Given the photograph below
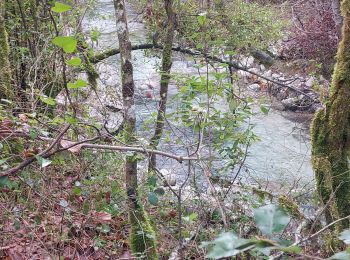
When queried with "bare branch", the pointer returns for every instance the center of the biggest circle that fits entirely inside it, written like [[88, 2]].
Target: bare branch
[[104, 55]]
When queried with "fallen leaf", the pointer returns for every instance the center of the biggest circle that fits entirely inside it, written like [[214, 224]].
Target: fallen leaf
[[74, 149], [23, 118], [126, 256], [102, 217]]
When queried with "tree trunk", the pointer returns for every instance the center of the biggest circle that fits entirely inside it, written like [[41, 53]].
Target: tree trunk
[[338, 19], [142, 235], [164, 80], [331, 135], [6, 90]]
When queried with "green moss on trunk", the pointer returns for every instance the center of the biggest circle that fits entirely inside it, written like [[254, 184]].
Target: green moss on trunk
[[142, 237], [330, 135], [6, 90]]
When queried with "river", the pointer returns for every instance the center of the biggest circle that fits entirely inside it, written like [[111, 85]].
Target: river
[[282, 156]]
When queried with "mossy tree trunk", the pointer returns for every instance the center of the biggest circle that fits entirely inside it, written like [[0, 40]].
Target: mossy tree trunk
[[142, 236], [331, 135], [164, 80], [6, 90]]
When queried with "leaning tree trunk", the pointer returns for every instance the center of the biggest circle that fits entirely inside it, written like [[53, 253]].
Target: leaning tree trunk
[[331, 135], [164, 80], [142, 235], [6, 90]]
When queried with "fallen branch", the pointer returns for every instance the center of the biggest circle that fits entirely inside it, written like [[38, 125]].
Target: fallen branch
[[104, 55], [69, 145]]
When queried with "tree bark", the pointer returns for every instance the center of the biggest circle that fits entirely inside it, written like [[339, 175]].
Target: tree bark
[[142, 235], [331, 135], [6, 89], [164, 80], [337, 17]]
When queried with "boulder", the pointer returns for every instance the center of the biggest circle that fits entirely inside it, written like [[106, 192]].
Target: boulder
[[290, 104], [169, 176], [263, 57], [310, 82]]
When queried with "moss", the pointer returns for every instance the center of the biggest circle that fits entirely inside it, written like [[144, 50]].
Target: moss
[[332, 244], [290, 206], [89, 68], [262, 194], [142, 236], [6, 90], [330, 136]]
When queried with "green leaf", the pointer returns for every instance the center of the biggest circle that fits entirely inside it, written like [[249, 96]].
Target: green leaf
[[345, 236], [75, 62], [60, 7], [4, 181], [2, 161], [105, 228], [291, 249], [264, 109], [152, 198], [17, 224], [152, 181], [33, 134], [68, 43], [48, 100], [71, 120], [202, 19], [77, 190], [78, 84], [192, 217], [42, 161], [226, 245], [270, 219], [94, 35]]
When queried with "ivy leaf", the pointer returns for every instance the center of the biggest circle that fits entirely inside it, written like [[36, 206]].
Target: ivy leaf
[[75, 62], [152, 198], [67, 43], [60, 7], [270, 219], [78, 84], [42, 161]]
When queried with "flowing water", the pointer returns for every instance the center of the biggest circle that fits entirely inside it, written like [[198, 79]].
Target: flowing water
[[283, 154]]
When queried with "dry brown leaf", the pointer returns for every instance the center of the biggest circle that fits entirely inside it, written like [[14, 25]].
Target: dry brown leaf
[[126, 256], [74, 149], [102, 217], [15, 255], [23, 118]]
